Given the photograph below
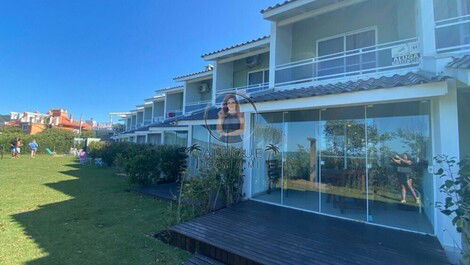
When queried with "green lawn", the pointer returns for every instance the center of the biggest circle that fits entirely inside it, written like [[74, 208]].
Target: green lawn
[[52, 211]]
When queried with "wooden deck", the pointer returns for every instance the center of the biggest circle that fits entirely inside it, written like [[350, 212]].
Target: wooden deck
[[258, 233], [201, 260]]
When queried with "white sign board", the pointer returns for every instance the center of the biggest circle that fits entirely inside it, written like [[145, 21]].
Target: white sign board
[[407, 53]]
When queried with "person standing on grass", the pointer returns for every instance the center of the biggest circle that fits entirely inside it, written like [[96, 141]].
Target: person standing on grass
[[18, 147], [34, 148], [13, 148]]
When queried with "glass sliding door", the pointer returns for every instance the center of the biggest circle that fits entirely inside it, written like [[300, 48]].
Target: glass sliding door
[[399, 151], [267, 152], [343, 159], [367, 163], [300, 169]]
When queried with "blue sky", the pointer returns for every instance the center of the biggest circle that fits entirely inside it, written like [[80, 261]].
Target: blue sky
[[95, 56]]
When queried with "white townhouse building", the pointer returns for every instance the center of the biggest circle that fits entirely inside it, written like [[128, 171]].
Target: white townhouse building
[[340, 87]]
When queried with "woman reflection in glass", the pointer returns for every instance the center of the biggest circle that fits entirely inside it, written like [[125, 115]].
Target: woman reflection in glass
[[404, 165], [231, 122]]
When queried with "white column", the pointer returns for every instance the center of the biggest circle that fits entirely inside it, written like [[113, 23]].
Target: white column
[[190, 136], [272, 55], [153, 110], [247, 147], [446, 141], [184, 98], [280, 50], [214, 81], [426, 34], [164, 106]]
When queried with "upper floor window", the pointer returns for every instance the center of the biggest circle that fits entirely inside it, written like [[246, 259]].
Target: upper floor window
[[343, 53], [258, 77]]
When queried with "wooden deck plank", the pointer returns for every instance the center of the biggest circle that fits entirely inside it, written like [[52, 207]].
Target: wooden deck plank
[[201, 260], [267, 234]]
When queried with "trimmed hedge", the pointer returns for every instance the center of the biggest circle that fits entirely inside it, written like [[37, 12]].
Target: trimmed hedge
[[144, 164], [57, 140]]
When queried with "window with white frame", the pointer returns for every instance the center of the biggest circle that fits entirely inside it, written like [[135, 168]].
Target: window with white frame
[[258, 77], [345, 53]]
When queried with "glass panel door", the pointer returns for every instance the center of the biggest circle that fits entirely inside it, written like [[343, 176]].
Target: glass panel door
[[267, 152], [399, 151], [363, 61], [300, 169], [332, 47], [343, 159]]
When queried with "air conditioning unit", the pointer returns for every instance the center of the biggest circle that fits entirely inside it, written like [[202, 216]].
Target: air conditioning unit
[[203, 88], [253, 61]]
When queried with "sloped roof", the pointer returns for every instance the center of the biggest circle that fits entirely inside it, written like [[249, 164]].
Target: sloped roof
[[460, 63], [197, 73], [269, 8], [397, 80], [236, 46], [168, 88]]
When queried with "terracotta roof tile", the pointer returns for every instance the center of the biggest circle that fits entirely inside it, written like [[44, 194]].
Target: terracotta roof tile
[[460, 63], [276, 6], [236, 46], [408, 79]]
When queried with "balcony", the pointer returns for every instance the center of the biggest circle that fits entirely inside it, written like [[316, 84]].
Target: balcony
[[356, 63], [193, 106], [453, 34], [243, 90], [174, 113], [158, 119], [147, 121]]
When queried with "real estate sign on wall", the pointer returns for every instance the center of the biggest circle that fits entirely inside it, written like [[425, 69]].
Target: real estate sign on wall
[[407, 53]]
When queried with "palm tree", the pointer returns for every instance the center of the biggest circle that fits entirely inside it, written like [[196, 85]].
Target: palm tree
[[272, 164]]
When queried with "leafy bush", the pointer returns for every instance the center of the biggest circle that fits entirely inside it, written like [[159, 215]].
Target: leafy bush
[[144, 164], [456, 187], [173, 161], [95, 149], [144, 168], [221, 180], [55, 139]]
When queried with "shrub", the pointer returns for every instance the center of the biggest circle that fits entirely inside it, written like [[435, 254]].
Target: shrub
[[144, 164], [95, 149], [221, 180], [144, 168], [55, 139], [173, 162], [456, 188]]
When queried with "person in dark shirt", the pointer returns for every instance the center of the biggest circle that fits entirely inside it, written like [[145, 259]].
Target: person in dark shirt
[[13, 148], [404, 167], [231, 122]]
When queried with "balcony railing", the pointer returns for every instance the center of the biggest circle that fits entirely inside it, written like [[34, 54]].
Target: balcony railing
[[174, 113], [242, 90], [453, 34], [369, 60], [193, 106], [158, 119]]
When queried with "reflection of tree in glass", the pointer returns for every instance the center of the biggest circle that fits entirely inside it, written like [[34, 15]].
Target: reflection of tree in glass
[[270, 135], [297, 164], [344, 137]]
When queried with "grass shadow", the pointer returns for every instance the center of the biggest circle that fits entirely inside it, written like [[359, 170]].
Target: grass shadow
[[101, 223]]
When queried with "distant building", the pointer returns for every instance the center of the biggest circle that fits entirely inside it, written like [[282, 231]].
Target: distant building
[[35, 122]]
